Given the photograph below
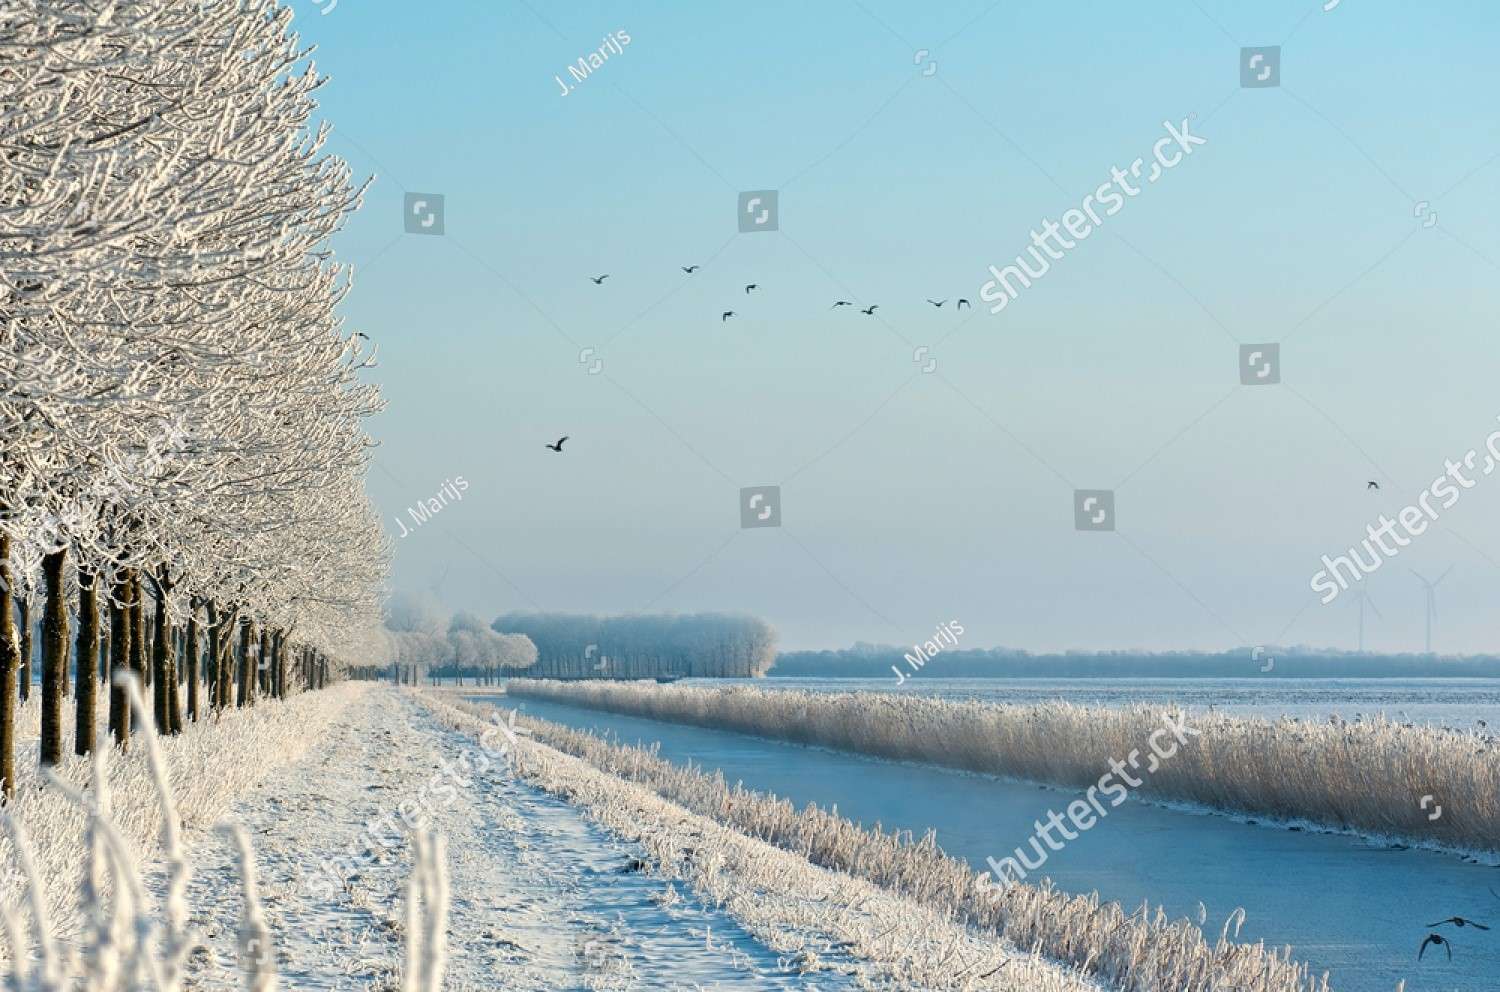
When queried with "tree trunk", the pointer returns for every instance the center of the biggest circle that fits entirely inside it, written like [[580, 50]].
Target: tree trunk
[[138, 630], [246, 671], [120, 639], [23, 607], [279, 681], [190, 649], [215, 657], [159, 662], [10, 661], [54, 655], [84, 684], [224, 657], [174, 693], [263, 664]]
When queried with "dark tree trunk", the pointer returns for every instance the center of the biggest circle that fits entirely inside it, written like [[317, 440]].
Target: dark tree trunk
[[138, 630], [224, 653], [215, 658], [159, 660], [10, 661], [190, 650], [23, 607], [246, 671], [85, 686], [121, 637], [263, 664], [163, 662], [54, 654], [279, 672]]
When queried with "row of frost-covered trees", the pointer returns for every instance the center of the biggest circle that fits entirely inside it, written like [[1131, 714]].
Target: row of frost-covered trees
[[697, 645], [182, 440], [425, 643]]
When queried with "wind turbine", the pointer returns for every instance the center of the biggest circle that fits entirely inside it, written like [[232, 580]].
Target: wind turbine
[[1431, 600], [1363, 596]]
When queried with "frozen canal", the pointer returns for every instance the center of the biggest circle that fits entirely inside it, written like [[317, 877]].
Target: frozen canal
[[1355, 910]]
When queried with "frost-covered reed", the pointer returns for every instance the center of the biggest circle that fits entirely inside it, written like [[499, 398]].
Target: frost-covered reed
[[123, 946], [1368, 777], [820, 922], [205, 767], [127, 943], [1138, 952]]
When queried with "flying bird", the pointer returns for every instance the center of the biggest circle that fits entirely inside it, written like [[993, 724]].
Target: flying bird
[[689, 269], [558, 446], [751, 286], [841, 303], [1441, 941], [963, 303], [871, 311], [938, 303], [1459, 921], [1372, 484], [726, 315], [599, 280]]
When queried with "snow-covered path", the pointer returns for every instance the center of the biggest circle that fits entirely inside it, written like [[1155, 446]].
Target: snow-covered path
[[541, 898]]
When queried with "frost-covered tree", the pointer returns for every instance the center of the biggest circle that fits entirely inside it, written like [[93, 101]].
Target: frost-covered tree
[[181, 414]]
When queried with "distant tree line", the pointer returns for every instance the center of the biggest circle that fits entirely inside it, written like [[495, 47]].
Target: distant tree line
[[425, 645], [866, 660], [699, 645]]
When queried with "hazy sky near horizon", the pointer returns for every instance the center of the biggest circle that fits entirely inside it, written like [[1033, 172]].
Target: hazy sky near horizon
[[912, 498]]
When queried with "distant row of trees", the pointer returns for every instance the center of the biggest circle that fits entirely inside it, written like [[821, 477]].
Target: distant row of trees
[[866, 660], [423, 643], [699, 645]]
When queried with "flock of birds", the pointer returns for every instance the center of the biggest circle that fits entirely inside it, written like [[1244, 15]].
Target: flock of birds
[[751, 287], [1438, 940], [868, 311]]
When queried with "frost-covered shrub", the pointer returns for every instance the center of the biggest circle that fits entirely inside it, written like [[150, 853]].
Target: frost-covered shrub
[[1366, 776]]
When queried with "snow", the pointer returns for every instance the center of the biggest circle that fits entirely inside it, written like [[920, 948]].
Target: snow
[[560, 877], [208, 765], [540, 898]]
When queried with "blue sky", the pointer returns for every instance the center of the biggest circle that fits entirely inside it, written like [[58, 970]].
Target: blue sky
[[910, 499]]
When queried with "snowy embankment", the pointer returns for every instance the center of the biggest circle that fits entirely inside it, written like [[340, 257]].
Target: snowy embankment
[[1139, 951], [1374, 777], [209, 764], [822, 922]]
